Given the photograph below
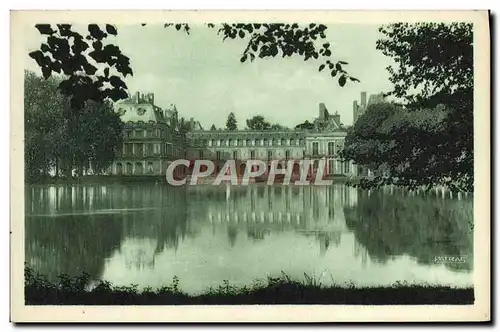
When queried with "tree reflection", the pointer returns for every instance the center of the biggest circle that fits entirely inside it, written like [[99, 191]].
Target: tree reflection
[[421, 226]]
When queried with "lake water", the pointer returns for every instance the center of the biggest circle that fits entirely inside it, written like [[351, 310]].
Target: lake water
[[146, 234]]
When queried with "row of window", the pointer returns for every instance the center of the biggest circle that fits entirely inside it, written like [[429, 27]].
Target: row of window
[[235, 155], [152, 149], [253, 142], [148, 133]]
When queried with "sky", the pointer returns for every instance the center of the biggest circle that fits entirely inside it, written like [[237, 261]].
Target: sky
[[204, 78]]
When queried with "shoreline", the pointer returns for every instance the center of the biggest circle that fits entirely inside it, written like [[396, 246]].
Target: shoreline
[[280, 290]]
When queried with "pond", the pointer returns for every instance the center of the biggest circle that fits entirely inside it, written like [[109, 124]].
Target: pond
[[145, 234]]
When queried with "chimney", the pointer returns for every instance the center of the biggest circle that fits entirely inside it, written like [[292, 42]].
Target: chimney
[[363, 99], [322, 111], [137, 98], [191, 123]]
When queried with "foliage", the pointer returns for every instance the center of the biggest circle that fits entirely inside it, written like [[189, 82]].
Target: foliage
[[276, 290], [430, 142], [305, 125], [231, 123], [278, 127], [95, 68], [258, 122], [59, 138], [213, 128]]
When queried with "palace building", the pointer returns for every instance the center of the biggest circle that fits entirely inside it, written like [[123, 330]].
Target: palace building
[[153, 139]]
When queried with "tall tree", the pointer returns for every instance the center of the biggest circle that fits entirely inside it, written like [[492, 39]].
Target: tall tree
[[432, 138], [258, 123], [95, 67], [59, 138], [213, 128], [231, 123]]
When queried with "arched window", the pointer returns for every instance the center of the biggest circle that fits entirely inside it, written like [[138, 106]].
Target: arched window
[[139, 168], [119, 169], [248, 142], [266, 142], [128, 168], [283, 141], [292, 141]]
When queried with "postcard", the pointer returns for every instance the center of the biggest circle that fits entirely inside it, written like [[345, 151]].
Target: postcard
[[250, 166]]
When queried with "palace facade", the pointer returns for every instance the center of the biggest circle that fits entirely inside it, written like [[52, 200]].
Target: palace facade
[[153, 139]]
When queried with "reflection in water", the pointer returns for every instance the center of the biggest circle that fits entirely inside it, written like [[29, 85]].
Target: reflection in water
[[145, 234]]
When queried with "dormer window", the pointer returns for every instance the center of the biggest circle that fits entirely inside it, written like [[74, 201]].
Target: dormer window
[[141, 111], [121, 111]]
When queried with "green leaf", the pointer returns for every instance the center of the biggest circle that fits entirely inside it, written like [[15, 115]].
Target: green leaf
[[321, 67], [342, 80], [38, 57], [241, 33], [343, 62], [44, 29], [111, 29], [44, 48]]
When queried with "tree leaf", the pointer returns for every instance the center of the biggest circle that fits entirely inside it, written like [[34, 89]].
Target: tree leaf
[[342, 80], [321, 67], [241, 33], [44, 29], [111, 29], [38, 57]]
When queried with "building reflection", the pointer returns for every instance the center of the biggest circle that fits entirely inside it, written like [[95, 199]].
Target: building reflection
[[74, 229], [259, 210]]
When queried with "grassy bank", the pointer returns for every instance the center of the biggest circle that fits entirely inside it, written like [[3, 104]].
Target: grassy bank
[[281, 290]]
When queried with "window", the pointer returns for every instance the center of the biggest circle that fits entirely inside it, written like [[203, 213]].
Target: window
[[248, 142], [252, 154], [150, 167], [301, 142], [331, 150], [275, 141], [230, 142], [128, 168], [287, 154], [269, 154], [256, 142], [218, 155], [149, 151], [119, 168], [315, 148], [157, 148], [200, 154], [283, 141], [292, 142], [266, 142], [235, 155], [239, 142], [139, 133]]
